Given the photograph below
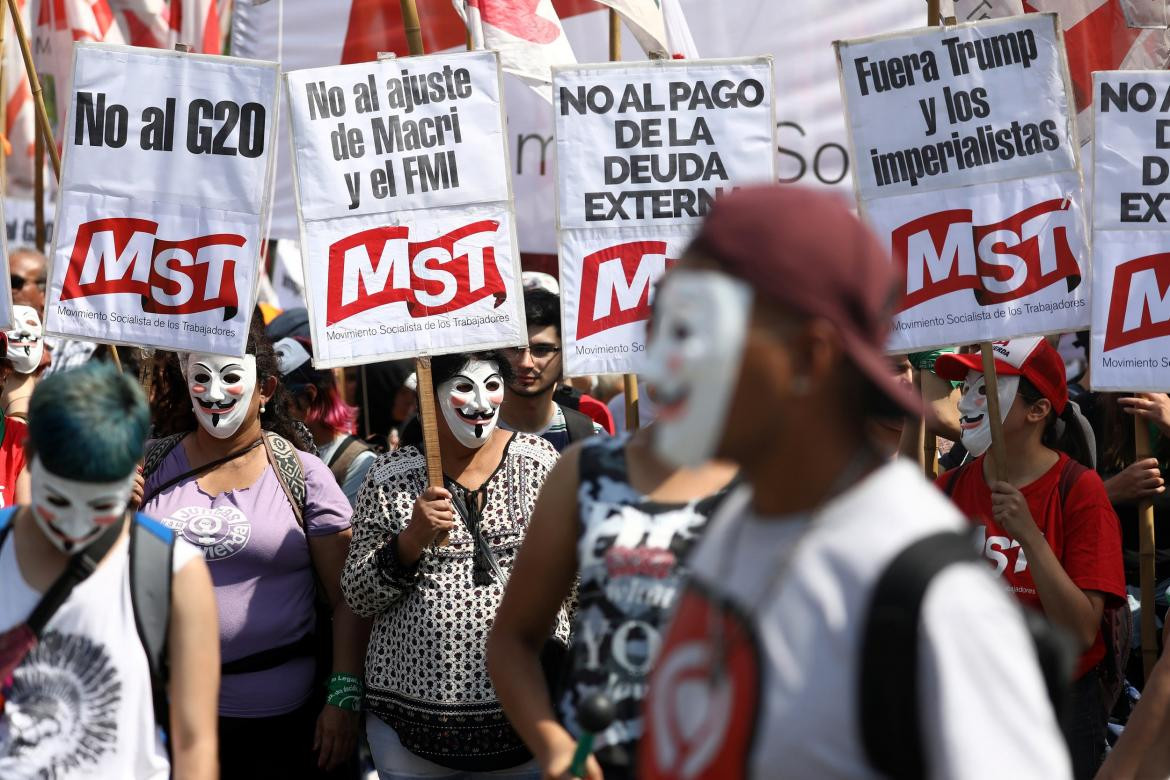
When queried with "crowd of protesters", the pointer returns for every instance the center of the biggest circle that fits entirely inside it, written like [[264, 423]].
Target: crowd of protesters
[[227, 570]]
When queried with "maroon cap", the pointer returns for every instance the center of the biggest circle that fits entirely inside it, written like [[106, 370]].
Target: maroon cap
[[804, 250]]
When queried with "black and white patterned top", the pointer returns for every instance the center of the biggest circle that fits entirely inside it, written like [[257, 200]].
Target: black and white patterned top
[[631, 553], [426, 672]]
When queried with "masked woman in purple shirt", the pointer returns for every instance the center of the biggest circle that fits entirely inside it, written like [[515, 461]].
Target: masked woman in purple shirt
[[273, 526]]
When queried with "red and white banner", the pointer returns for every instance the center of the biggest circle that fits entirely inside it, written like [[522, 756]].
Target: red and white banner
[[645, 21], [405, 208], [164, 188], [1131, 242], [527, 34], [971, 178], [643, 151]]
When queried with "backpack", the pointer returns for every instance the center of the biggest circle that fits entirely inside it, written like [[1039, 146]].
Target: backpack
[[344, 456], [1116, 619], [578, 425], [151, 552]]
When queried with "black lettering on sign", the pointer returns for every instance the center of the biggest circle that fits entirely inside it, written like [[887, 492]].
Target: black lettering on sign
[[98, 124], [204, 137]]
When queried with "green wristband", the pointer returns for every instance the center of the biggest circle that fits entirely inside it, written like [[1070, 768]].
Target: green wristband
[[345, 692]]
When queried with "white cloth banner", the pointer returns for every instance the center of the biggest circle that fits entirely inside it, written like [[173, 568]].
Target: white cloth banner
[[1131, 242], [643, 150], [405, 208], [968, 173], [164, 188]]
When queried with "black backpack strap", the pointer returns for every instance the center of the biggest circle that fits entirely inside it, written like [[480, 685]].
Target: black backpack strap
[[289, 472], [152, 549], [1069, 474], [891, 728], [578, 425]]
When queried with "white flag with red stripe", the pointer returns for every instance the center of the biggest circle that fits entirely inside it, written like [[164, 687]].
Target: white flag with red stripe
[[526, 33]]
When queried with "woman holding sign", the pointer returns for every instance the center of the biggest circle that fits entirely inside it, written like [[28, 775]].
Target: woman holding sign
[[429, 564], [1049, 529], [273, 525]]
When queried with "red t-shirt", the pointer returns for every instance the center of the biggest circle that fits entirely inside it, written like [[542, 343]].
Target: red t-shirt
[[11, 458], [1085, 537]]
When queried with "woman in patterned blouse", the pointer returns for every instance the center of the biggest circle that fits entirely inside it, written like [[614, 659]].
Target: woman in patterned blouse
[[429, 565]]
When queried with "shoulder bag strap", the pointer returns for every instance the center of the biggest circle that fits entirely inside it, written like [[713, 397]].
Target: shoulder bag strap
[[195, 472], [289, 472], [157, 452], [152, 547], [80, 566]]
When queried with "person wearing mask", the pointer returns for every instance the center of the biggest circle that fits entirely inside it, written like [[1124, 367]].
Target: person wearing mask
[[429, 565], [769, 348], [529, 401], [29, 278], [617, 523], [317, 403], [1047, 526], [83, 699], [274, 528]]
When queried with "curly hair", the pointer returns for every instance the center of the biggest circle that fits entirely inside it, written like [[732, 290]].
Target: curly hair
[[171, 408]]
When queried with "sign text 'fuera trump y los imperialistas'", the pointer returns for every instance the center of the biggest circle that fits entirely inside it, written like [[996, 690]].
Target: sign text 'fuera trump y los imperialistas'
[[405, 207], [643, 151], [164, 190], [967, 170]]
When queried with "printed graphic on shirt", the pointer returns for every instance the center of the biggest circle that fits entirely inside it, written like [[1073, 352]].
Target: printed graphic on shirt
[[61, 710], [220, 532], [1005, 554], [704, 695]]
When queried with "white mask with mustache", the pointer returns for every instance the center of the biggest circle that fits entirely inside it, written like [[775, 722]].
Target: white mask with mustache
[[26, 343], [221, 391], [974, 423], [73, 514], [471, 400], [693, 362]]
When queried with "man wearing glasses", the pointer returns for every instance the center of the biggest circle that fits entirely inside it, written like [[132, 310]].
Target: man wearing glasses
[[529, 404], [29, 278]]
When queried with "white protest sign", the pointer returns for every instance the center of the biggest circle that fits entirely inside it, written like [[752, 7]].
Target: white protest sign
[[967, 170], [1130, 344], [164, 188], [405, 208], [643, 151]]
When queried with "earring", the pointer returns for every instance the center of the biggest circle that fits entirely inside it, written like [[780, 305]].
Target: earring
[[262, 408]]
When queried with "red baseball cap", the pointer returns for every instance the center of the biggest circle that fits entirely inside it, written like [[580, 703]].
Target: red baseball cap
[[804, 250], [1032, 358]]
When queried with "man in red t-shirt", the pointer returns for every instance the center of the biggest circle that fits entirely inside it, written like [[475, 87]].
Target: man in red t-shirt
[[1058, 548]]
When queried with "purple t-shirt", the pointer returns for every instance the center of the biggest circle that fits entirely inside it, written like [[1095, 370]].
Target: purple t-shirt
[[260, 564]]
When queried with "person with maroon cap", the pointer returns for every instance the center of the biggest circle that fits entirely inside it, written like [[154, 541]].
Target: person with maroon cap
[[768, 352], [1047, 527]]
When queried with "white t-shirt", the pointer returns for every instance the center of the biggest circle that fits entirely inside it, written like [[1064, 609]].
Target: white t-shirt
[[80, 705], [785, 702]]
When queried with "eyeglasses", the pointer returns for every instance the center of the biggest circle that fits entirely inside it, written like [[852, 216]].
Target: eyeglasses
[[18, 282], [539, 351]]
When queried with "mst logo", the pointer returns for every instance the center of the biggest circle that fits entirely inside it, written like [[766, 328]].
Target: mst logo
[[381, 266], [123, 255], [615, 285], [1139, 309], [944, 252]]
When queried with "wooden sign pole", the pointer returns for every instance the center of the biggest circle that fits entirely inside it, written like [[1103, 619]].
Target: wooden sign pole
[[1141, 440], [422, 365], [3, 103], [991, 383], [629, 381]]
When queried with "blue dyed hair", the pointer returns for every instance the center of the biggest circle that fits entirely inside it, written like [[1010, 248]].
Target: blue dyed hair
[[88, 423]]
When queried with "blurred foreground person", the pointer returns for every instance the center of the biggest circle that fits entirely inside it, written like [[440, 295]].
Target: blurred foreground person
[[109, 642], [619, 522], [777, 664]]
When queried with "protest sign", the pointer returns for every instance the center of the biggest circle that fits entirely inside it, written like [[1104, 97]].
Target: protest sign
[[405, 208], [164, 188], [968, 172], [643, 151], [1131, 242]]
